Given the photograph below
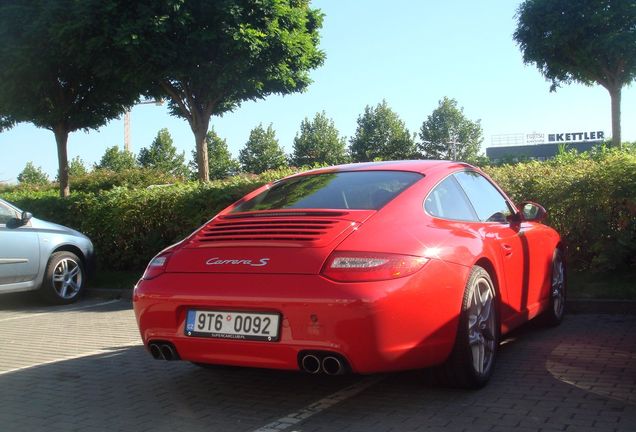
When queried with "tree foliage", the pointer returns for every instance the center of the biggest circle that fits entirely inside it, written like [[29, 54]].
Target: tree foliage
[[448, 134], [213, 55], [76, 168], [585, 41], [221, 164], [116, 160], [262, 151], [319, 142], [381, 135], [59, 69], [163, 155], [5, 123], [32, 175]]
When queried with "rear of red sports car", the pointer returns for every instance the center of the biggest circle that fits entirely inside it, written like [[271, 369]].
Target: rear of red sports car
[[361, 268], [328, 271]]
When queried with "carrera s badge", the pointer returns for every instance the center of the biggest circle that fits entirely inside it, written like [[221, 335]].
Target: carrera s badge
[[218, 261]]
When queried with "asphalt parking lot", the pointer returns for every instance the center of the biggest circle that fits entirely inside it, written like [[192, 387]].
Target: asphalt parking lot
[[82, 367]]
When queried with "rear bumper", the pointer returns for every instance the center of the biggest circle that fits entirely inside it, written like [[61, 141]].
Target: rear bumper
[[378, 326]]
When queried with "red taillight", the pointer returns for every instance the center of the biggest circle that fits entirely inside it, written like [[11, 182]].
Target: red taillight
[[370, 266], [156, 266]]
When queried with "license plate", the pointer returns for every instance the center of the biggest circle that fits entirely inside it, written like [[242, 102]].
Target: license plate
[[233, 325]]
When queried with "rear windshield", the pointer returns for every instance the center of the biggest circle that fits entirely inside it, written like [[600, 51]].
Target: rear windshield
[[358, 190]]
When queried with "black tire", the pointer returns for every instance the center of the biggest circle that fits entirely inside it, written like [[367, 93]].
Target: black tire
[[477, 335], [64, 278], [558, 291]]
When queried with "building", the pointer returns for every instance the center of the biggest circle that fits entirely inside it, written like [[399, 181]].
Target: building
[[540, 146]]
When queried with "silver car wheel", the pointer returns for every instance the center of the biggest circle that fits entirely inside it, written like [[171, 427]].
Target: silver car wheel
[[482, 325], [67, 278]]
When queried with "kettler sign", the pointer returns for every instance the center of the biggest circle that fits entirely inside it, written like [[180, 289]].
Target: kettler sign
[[576, 136]]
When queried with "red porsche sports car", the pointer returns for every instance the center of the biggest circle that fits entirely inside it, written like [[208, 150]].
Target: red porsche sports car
[[357, 268]]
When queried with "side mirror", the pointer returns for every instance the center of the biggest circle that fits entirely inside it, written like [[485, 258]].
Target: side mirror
[[532, 212], [25, 217]]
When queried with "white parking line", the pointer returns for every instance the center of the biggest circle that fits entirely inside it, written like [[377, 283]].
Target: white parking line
[[59, 310], [86, 354], [316, 407]]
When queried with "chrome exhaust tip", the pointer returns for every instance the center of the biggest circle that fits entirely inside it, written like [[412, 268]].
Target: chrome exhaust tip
[[310, 364], [168, 352], [332, 366], [155, 351]]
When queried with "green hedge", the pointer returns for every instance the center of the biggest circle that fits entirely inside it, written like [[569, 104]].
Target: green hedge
[[591, 200], [129, 226], [102, 179]]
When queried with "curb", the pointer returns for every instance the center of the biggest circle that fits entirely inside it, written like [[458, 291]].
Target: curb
[[590, 306], [573, 306]]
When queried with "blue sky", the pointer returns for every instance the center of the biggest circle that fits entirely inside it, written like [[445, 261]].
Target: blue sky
[[411, 53]]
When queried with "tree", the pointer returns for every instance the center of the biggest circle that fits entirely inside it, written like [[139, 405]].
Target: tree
[[381, 134], [162, 155], [59, 70], [116, 160], [448, 134], [213, 55], [319, 143], [586, 41], [221, 164], [5, 123], [262, 152], [33, 175], [76, 168]]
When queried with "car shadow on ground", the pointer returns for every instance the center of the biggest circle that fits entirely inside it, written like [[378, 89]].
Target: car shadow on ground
[[126, 389], [580, 375]]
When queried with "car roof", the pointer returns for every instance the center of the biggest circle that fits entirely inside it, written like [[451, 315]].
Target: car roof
[[419, 166]]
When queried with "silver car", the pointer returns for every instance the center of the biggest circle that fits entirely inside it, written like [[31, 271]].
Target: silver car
[[40, 255]]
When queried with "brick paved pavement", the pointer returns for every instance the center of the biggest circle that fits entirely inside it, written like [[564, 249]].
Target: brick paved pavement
[[580, 376], [82, 368]]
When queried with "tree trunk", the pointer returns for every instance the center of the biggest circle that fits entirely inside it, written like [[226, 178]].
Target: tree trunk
[[61, 138], [615, 95], [200, 129]]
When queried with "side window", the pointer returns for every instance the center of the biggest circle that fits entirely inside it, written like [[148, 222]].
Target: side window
[[488, 202], [6, 214], [448, 201]]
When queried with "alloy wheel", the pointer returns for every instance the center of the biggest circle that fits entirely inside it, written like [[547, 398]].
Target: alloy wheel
[[67, 278], [482, 325]]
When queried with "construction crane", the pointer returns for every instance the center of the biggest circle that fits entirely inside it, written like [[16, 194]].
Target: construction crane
[[157, 102]]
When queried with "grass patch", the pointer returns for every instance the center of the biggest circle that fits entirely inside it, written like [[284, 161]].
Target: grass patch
[[109, 279], [615, 285]]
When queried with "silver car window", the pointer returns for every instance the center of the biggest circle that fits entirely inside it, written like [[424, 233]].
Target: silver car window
[[6, 214]]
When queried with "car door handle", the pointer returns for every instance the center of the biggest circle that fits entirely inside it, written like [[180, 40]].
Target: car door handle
[[507, 249]]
